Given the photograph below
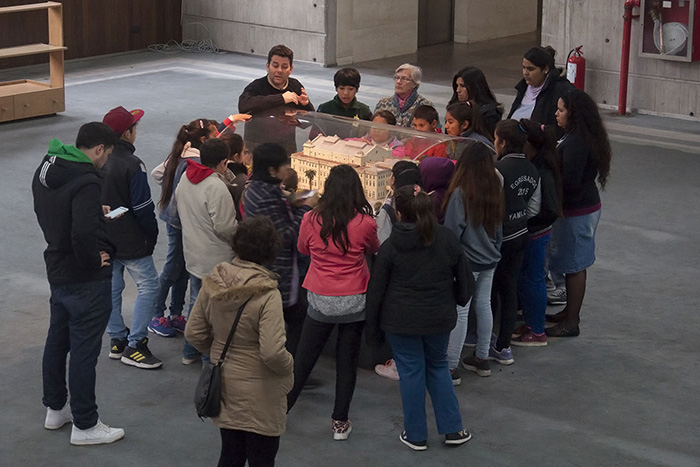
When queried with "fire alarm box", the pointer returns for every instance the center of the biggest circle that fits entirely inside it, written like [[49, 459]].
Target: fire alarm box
[[668, 30]]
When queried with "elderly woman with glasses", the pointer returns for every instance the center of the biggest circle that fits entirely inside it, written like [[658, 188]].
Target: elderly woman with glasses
[[406, 98]]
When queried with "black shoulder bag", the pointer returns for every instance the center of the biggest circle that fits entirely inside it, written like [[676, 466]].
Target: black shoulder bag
[[207, 396]]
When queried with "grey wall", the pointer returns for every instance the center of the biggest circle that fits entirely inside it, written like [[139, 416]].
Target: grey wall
[[655, 86], [373, 29], [324, 31], [253, 26], [480, 20]]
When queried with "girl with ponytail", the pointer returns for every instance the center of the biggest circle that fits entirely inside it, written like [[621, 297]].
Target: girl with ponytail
[[174, 277], [419, 276], [540, 149], [522, 191], [474, 212]]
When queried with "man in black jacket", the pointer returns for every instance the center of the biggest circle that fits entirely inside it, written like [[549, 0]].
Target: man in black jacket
[[134, 234], [66, 189], [277, 91]]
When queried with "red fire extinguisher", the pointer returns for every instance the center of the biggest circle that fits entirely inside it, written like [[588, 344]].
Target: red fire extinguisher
[[576, 68]]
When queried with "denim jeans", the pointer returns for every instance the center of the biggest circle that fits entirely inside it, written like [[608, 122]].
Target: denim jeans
[[484, 320], [173, 278], [504, 294], [79, 314], [143, 272], [532, 290], [188, 350], [314, 336], [422, 363]]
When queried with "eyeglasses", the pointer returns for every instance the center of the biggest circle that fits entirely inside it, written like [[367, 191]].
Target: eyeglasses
[[402, 79]]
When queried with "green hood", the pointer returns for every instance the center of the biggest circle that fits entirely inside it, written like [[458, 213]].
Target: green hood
[[66, 152]]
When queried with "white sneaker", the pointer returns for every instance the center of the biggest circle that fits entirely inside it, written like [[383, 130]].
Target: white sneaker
[[55, 419], [387, 370], [98, 434]]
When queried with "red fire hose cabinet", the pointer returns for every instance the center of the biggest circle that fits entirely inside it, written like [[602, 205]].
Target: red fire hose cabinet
[[668, 30]]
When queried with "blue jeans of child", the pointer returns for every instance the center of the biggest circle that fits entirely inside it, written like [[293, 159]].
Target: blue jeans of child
[[173, 278], [484, 320], [143, 272], [532, 290], [188, 351], [422, 363], [79, 314]]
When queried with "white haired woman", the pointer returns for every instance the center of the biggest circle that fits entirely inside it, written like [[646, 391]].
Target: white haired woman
[[405, 99]]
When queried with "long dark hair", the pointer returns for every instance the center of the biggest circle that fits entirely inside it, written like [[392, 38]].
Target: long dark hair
[[583, 117], [469, 112], [542, 145], [416, 207], [191, 133], [477, 87], [482, 189], [514, 134], [343, 198]]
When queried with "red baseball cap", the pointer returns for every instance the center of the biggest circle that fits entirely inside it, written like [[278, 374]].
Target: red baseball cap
[[119, 119]]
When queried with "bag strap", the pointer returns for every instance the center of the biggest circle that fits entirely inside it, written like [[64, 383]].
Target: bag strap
[[233, 329]]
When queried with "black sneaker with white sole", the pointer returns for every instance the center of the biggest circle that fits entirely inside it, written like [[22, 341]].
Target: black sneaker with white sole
[[455, 439], [140, 356], [116, 348], [415, 445]]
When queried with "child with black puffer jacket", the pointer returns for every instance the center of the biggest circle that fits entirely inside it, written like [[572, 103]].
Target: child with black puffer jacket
[[419, 276]]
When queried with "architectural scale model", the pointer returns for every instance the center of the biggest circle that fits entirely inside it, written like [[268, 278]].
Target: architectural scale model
[[373, 163]]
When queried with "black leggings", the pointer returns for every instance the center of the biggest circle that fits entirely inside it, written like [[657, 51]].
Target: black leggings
[[347, 352], [505, 287], [238, 446]]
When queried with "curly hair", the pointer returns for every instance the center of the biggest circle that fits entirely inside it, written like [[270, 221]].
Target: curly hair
[[256, 240], [584, 118]]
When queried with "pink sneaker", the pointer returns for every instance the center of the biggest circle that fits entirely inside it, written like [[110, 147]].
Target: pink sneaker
[[529, 339], [178, 323], [388, 370]]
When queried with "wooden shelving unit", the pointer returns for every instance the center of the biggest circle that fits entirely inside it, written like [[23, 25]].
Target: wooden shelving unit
[[27, 98]]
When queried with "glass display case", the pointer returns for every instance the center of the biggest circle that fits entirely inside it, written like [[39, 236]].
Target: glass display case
[[668, 30], [316, 142]]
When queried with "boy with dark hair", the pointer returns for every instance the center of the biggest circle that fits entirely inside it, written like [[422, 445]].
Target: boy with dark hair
[[66, 188], [345, 104], [134, 234], [425, 118], [208, 218]]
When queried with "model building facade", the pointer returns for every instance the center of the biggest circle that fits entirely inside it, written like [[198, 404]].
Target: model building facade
[[373, 163]]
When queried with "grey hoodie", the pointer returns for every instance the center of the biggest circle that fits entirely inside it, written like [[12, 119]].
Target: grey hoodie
[[483, 252]]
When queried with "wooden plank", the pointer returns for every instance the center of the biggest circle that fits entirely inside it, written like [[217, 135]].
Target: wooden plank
[[30, 49], [29, 7], [21, 87]]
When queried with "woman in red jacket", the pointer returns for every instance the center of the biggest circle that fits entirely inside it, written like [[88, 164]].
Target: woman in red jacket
[[337, 235]]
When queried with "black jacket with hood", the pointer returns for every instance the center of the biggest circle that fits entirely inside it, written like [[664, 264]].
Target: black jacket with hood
[[66, 188], [414, 289]]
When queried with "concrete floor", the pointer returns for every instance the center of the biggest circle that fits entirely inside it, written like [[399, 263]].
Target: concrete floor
[[623, 393]]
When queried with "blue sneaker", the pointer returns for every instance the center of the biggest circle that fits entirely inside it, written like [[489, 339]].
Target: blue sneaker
[[504, 357], [161, 326]]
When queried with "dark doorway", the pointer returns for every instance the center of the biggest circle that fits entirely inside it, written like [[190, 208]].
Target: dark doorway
[[435, 22]]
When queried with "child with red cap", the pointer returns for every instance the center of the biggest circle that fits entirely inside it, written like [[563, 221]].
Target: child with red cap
[[134, 234]]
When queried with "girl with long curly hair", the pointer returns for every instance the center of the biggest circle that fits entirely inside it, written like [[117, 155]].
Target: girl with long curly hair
[[584, 153]]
